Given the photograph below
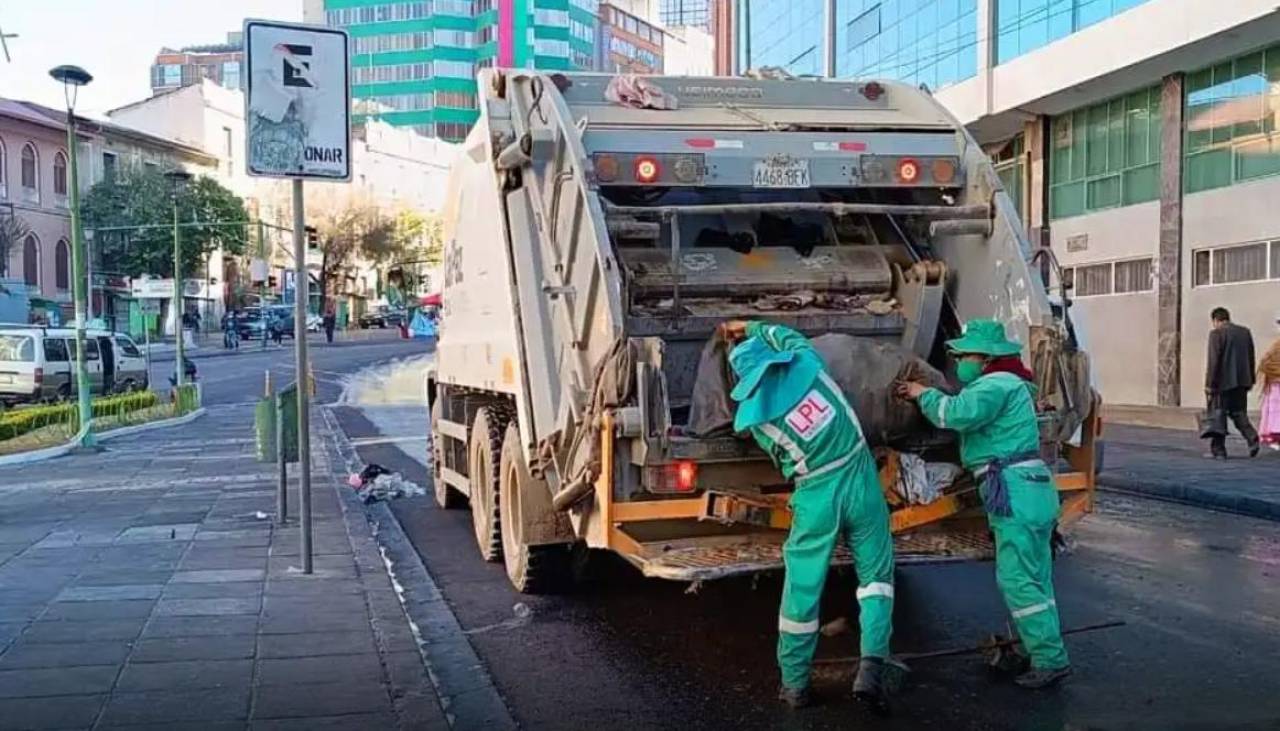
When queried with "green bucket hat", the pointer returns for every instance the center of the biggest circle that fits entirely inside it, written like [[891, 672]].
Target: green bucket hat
[[986, 337], [769, 381]]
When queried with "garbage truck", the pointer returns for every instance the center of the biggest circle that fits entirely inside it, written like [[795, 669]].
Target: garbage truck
[[597, 230]]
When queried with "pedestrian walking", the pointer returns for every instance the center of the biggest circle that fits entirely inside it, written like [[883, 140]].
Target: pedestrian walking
[[231, 331], [798, 414], [1269, 372], [330, 321], [995, 417], [277, 330], [1228, 377]]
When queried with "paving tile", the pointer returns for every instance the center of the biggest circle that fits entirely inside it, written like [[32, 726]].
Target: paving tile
[[328, 669], [218, 576], [207, 607], [236, 624], [109, 593], [41, 713], [185, 675], [168, 649], [25, 654], [312, 621], [309, 644], [407, 673], [421, 712], [313, 588], [158, 533], [21, 612], [357, 722], [95, 611], [166, 707], [39, 682], [120, 577], [327, 699], [181, 726], [229, 590], [109, 629], [276, 604]]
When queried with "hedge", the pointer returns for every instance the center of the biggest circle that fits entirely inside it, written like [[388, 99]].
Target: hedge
[[17, 423]]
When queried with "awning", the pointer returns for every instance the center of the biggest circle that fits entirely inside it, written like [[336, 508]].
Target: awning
[[432, 300]]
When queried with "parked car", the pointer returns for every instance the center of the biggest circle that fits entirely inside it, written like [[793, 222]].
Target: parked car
[[383, 317], [37, 364], [251, 322]]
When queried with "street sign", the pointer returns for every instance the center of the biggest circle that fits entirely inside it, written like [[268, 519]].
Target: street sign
[[149, 306], [297, 102], [152, 288]]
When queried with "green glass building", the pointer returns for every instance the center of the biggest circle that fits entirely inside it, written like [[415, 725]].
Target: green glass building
[[414, 62]]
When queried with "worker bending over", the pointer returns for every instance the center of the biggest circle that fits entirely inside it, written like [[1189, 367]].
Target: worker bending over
[[995, 417], [800, 417]]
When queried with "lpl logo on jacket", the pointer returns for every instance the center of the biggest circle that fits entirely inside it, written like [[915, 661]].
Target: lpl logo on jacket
[[811, 415]]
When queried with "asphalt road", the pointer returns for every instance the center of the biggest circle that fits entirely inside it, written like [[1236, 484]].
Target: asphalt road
[[1199, 591], [234, 377]]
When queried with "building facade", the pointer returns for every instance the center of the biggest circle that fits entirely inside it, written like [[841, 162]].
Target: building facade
[[693, 13], [1140, 140], [221, 63], [414, 62], [627, 43]]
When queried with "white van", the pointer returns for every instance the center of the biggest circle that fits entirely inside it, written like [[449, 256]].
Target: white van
[[37, 363]]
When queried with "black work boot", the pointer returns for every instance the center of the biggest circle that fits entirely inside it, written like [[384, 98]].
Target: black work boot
[[1037, 678], [869, 686], [795, 698]]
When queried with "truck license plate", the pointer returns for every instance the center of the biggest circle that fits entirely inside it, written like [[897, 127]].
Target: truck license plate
[[787, 174]]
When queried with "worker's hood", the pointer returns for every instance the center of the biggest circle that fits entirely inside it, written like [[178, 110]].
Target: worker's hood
[[769, 381]]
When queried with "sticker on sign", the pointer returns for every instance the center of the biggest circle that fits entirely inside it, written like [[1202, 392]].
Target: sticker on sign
[[297, 101]]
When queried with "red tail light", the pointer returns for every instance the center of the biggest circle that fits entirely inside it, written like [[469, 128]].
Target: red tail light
[[606, 168], [686, 476], [647, 169], [673, 477], [908, 170], [39, 376]]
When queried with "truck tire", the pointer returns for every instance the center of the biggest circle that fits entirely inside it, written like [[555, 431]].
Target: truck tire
[[540, 569], [485, 453], [447, 497]]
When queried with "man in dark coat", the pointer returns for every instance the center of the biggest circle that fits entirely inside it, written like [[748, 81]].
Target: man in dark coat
[[1228, 377]]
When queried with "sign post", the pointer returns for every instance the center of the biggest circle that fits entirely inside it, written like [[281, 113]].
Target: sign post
[[147, 308], [298, 116]]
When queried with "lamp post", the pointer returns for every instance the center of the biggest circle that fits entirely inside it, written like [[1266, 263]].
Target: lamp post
[[177, 179], [72, 78]]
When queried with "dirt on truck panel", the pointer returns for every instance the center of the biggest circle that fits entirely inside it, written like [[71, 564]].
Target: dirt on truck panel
[[634, 216]]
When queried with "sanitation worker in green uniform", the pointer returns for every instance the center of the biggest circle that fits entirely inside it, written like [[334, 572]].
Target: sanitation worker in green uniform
[[995, 417], [800, 417]]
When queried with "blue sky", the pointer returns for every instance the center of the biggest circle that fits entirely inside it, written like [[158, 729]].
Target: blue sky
[[115, 40]]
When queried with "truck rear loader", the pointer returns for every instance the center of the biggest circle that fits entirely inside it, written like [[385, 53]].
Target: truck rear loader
[[597, 231]]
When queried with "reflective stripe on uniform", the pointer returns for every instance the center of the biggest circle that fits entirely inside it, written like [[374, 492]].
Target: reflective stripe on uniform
[[875, 588], [1027, 463], [792, 627], [1033, 609], [942, 411], [830, 383], [780, 438]]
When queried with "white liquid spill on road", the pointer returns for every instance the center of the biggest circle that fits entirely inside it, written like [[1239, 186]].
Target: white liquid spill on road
[[398, 382]]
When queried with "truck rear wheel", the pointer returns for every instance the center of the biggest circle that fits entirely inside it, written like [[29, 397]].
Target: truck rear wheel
[[485, 454], [446, 497], [540, 569]]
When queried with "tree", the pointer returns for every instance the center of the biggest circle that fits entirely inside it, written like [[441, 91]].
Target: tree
[[347, 228], [142, 196], [12, 231]]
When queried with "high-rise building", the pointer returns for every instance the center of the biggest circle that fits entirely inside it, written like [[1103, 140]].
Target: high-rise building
[[627, 44], [221, 63], [1139, 140], [414, 62]]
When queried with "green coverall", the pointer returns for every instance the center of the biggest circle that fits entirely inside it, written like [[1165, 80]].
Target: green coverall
[[819, 444], [995, 418]]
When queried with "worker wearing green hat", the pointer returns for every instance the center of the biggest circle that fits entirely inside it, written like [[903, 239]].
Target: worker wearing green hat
[[995, 417], [800, 417]]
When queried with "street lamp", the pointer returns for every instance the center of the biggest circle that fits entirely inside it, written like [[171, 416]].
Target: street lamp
[[177, 180], [72, 78]]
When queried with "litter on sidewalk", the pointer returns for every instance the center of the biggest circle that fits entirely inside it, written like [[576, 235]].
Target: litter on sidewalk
[[376, 482]]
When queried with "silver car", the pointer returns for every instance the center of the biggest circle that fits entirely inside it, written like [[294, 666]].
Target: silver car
[[36, 363]]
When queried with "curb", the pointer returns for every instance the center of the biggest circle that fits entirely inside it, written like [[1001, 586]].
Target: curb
[[462, 683], [1195, 496], [40, 455]]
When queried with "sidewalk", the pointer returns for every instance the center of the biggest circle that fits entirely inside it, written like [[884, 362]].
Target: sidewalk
[[148, 587], [1168, 464]]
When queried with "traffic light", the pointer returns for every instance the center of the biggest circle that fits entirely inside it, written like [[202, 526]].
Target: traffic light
[[271, 281], [313, 237]]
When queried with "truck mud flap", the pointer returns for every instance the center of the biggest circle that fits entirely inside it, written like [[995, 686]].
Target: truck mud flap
[[704, 563]]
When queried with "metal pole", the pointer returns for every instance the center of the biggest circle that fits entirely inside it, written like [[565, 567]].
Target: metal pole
[[300, 298], [262, 286], [146, 335], [88, 265], [179, 364], [78, 287], [282, 487]]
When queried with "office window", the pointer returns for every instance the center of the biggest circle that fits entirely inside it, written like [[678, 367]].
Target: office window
[[1232, 111], [1133, 276], [109, 166], [1023, 26], [551, 18], [30, 169], [231, 74], [1010, 163], [1107, 155], [171, 74], [863, 28], [31, 261], [62, 265], [59, 174], [1093, 280], [1236, 263]]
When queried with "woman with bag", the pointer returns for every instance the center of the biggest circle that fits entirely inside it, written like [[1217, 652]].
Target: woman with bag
[[1269, 374]]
